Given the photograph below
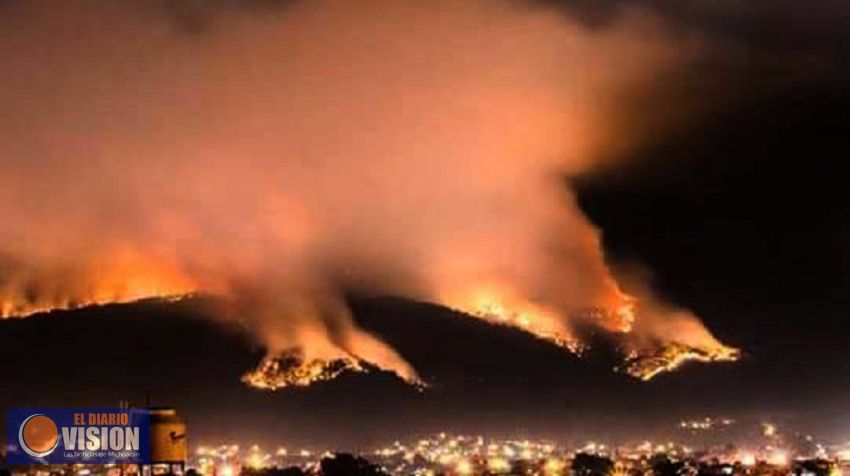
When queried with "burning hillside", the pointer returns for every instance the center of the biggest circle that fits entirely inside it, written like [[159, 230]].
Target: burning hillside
[[280, 161]]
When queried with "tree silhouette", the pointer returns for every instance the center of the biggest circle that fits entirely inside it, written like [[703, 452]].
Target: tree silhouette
[[664, 466], [290, 471], [346, 464], [585, 464]]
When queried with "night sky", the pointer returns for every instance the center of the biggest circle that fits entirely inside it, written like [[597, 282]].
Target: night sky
[[740, 214]]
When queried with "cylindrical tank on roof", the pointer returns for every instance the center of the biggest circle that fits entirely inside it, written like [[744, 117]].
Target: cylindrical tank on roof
[[168, 436]]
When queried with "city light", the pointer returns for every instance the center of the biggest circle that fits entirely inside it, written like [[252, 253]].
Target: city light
[[456, 454], [464, 467]]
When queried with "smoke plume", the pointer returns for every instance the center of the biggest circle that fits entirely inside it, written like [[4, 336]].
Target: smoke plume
[[278, 156]]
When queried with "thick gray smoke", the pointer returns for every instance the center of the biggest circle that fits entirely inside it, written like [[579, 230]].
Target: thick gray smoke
[[277, 156]]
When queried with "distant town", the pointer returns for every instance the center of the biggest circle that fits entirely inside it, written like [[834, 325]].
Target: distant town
[[468, 455]]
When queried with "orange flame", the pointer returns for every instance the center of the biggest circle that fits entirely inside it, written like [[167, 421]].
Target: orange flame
[[291, 370], [124, 276], [500, 306], [275, 162]]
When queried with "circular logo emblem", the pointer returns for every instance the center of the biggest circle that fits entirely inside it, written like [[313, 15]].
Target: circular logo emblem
[[38, 436]]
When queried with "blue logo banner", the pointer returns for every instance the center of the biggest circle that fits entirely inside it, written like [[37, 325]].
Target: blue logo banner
[[78, 435]]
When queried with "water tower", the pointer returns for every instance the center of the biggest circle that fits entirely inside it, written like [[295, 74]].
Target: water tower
[[169, 445]]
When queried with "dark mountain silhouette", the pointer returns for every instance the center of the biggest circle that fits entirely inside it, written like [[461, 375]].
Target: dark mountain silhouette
[[482, 377]]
